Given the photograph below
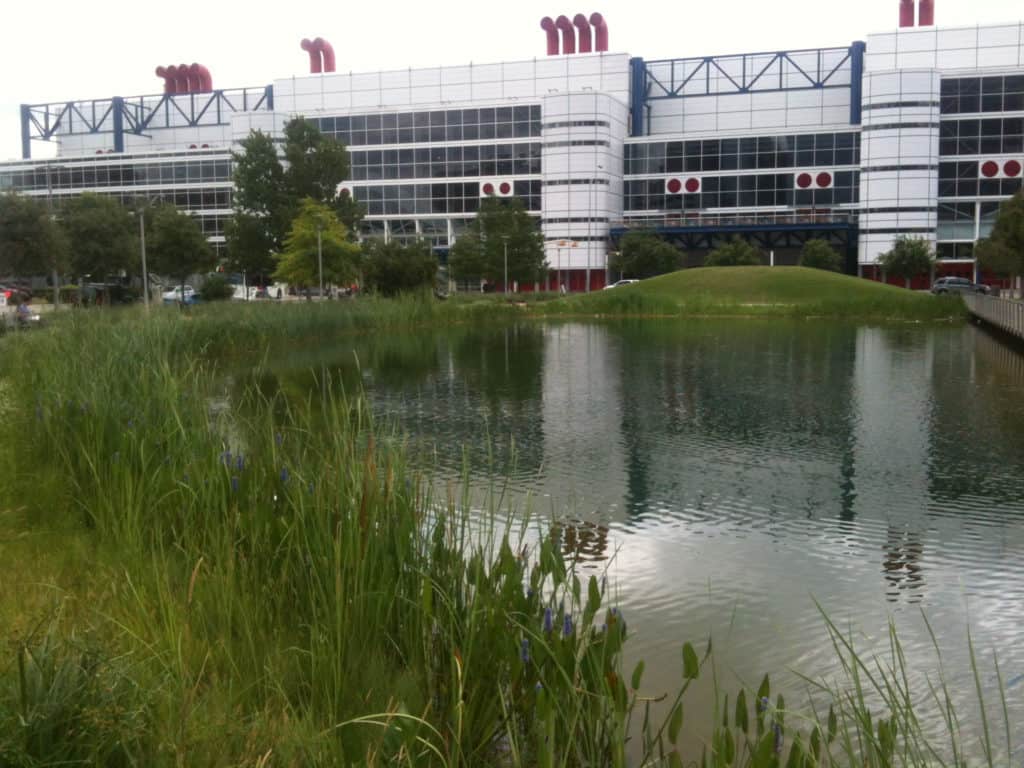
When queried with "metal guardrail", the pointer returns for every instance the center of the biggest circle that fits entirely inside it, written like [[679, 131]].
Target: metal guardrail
[[759, 219], [1006, 314]]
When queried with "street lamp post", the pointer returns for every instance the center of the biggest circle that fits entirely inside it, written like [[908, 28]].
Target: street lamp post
[[505, 241], [142, 247], [320, 257], [49, 211]]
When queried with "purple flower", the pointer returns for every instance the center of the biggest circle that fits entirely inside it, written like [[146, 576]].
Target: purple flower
[[777, 730], [762, 705], [538, 687], [240, 463], [284, 474], [234, 484], [524, 651], [226, 458], [566, 625], [311, 488], [547, 620], [278, 439], [530, 593]]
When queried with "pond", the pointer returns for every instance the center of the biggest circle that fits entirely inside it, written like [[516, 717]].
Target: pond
[[731, 473]]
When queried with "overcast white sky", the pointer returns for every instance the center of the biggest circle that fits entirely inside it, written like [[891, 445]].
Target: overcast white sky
[[80, 49]]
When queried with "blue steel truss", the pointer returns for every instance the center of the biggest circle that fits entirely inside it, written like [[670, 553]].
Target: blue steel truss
[[766, 72], [138, 114], [749, 72]]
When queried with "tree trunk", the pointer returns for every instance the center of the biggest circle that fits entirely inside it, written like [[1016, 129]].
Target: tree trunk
[[56, 289]]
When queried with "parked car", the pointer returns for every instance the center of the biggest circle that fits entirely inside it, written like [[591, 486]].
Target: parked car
[[174, 295], [958, 285], [620, 283]]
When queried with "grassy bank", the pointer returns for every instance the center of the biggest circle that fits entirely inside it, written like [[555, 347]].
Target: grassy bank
[[271, 583], [761, 291]]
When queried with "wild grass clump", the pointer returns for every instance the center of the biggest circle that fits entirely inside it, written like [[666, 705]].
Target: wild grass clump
[[270, 583]]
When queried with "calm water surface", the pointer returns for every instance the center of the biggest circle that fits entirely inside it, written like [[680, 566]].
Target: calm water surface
[[733, 472]]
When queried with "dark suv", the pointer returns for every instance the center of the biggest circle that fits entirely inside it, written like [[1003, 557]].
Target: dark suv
[[958, 285]]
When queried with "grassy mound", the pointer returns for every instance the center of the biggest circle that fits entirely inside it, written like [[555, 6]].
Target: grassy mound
[[771, 291]]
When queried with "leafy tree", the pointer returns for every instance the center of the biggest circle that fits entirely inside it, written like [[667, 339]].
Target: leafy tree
[[216, 288], [298, 264], [269, 193], [817, 254], [102, 235], [909, 257], [736, 253], [317, 164], [262, 211], [1002, 251], [480, 250], [392, 268], [644, 254], [177, 246], [31, 242]]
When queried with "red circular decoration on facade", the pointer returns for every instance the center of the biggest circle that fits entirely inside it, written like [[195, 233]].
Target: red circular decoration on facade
[[989, 169], [674, 186], [345, 192], [824, 180], [488, 189], [804, 180], [692, 185], [1012, 168], [505, 188]]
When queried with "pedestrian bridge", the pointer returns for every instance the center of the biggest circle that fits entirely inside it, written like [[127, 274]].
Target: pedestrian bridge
[[1005, 314]]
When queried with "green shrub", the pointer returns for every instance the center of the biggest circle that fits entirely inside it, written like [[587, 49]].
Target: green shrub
[[736, 253], [216, 288], [817, 254]]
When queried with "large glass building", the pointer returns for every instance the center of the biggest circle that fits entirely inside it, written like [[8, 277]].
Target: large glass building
[[917, 131]]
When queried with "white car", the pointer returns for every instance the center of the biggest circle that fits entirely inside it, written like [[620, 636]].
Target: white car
[[175, 293], [620, 283]]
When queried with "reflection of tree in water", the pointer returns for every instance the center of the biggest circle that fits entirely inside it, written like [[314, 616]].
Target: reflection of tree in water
[[901, 565], [582, 540]]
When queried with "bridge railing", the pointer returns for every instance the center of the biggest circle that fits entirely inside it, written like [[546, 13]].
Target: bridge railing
[[1006, 314]]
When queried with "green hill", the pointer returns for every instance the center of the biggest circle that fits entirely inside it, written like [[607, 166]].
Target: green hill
[[761, 291]]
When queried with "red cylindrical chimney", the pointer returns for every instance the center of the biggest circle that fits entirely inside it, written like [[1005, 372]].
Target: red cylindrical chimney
[[180, 78], [193, 79], [549, 26], [926, 13], [583, 27], [314, 56], [200, 75], [327, 50], [568, 34], [906, 13], [168, 77], [600, 32]]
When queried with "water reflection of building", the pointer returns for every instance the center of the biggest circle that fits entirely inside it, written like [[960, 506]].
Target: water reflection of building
[[761, 426], [583, 448]]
